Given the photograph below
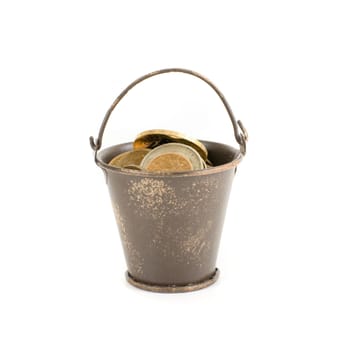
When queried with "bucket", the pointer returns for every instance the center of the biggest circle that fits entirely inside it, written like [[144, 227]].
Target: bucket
[[170, 223]]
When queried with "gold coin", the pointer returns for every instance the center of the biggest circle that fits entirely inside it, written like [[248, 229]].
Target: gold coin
[[169, 162], [129, 159], [172, 157], [157, 137], [132, 166]]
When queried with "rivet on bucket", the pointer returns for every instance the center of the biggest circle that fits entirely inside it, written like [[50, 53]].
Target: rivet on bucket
[[170, 223]]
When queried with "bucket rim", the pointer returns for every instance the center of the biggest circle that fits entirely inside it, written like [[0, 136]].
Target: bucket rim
[[212, 170]]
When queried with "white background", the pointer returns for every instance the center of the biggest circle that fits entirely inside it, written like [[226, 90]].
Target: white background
[[284, 255]]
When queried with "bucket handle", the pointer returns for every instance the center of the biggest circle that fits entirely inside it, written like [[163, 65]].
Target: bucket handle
[[240, 132]]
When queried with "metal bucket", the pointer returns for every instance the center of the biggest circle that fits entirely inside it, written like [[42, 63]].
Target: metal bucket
[[170, 224]]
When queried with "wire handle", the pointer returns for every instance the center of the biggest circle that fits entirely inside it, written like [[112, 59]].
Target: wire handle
[[240, 132]]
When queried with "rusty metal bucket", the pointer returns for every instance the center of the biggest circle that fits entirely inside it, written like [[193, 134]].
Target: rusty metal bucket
[[170, 224]]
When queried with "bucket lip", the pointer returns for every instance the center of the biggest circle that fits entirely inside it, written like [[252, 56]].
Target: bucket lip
[[207, 171]]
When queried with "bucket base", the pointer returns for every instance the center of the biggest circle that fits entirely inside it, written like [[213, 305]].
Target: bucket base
[[173, 288]]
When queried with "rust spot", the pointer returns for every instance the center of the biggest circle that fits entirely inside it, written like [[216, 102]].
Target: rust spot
[[153, 198], [135, 258], [196, 245]]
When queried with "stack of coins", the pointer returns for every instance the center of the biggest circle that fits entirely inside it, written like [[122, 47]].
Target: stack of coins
[[163, 151]]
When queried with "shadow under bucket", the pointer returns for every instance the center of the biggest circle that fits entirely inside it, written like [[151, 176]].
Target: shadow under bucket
[[170, 223]]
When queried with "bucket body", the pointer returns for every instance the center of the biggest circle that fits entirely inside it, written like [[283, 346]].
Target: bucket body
[[170, 224]]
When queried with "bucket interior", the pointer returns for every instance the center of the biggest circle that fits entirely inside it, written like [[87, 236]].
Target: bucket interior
[[218, 153]]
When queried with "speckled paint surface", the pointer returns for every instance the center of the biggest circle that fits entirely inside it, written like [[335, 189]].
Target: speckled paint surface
[[170, 226]]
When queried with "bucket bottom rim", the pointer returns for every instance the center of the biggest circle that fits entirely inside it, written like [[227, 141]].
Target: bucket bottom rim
[[191, 287]]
